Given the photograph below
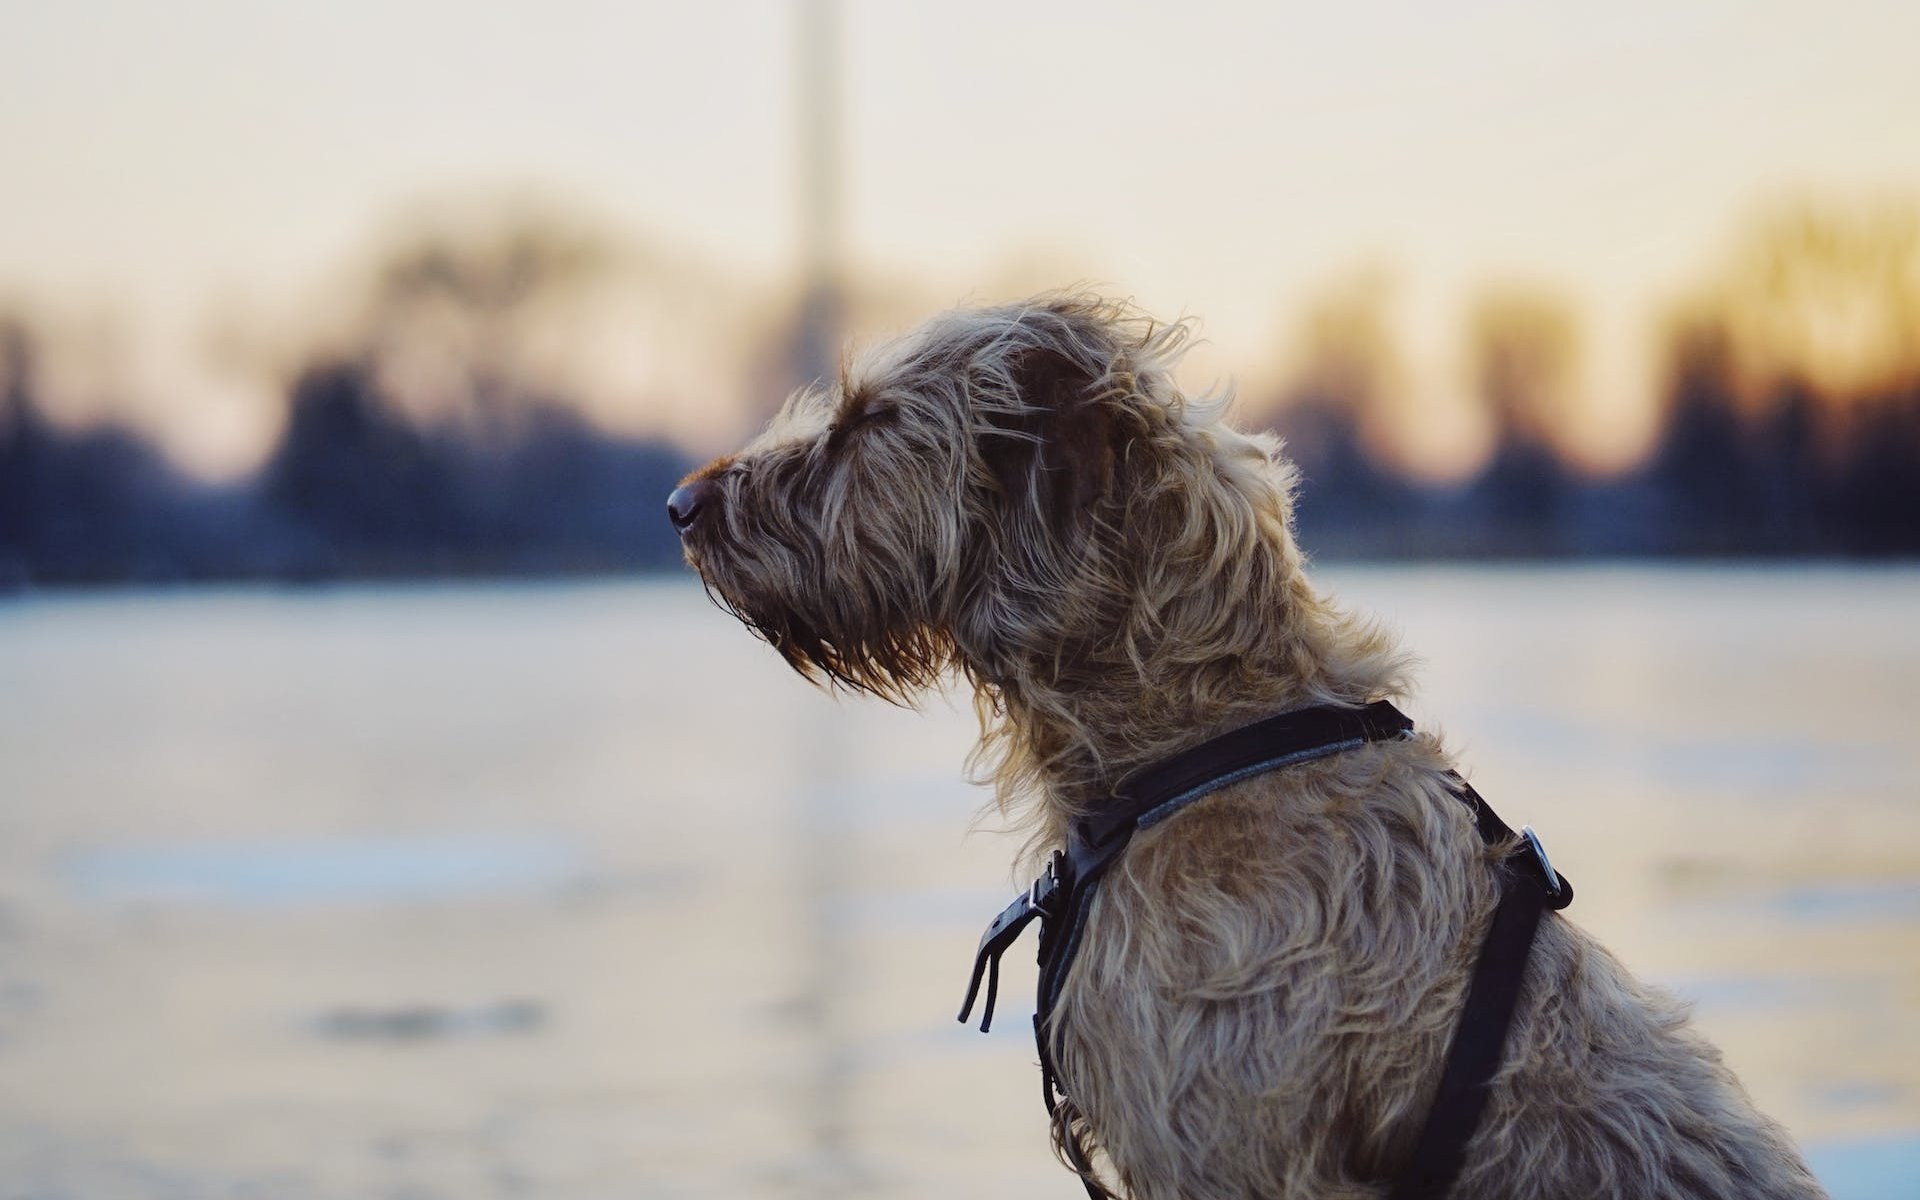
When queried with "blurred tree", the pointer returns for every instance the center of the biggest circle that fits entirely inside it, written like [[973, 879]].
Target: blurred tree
[[438, 441], [89, 505], [1524, 351], [1333, 412], [1874, 506], [1827, 294], [20, 446], [356, 480], [1700, 468], [455, 320], [1793, 422]]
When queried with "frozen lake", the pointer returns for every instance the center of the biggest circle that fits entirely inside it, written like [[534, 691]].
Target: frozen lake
[[573, 891]]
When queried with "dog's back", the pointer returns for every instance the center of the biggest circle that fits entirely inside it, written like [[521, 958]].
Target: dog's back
[[1270, 982]]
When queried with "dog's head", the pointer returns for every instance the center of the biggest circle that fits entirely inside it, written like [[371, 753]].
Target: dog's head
[[1002, 488]]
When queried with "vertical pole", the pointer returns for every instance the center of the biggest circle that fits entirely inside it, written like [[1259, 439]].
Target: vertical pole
[[824, 859], [817, 341]]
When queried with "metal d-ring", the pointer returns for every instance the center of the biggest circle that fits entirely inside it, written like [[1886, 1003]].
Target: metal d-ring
[[1540, 852]]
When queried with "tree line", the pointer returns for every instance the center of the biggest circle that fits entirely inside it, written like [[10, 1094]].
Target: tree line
[[1771, 442], [1789, 421]]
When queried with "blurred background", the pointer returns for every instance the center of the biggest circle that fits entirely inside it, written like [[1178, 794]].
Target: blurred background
[[385, 812]]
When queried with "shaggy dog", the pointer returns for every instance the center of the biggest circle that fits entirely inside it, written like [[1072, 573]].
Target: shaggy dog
[[1268, 983]]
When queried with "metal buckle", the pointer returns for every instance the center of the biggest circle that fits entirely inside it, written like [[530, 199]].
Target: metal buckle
[[1050, 883], [1546, 864]]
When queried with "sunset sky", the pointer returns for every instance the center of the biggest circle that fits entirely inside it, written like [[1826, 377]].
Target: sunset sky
[[175, 170]]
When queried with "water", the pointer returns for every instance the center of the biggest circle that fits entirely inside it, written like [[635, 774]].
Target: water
[[574, 892], [364, 870]]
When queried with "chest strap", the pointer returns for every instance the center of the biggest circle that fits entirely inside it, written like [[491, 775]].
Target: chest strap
[[1063, 896]]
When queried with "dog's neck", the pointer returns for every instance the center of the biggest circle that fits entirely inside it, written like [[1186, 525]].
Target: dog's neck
[[1067, 724]]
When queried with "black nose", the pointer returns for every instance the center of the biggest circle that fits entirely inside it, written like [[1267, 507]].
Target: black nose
[[688, 501]]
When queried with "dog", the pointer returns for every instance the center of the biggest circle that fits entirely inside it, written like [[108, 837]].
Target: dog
[[1264, 995]]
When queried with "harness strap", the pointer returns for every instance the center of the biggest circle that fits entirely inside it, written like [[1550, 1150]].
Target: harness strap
[[1156, 792], [1063, 895], [1529, 888], [1146, 798]]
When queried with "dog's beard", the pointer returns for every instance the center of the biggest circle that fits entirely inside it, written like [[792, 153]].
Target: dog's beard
[[889, 656]]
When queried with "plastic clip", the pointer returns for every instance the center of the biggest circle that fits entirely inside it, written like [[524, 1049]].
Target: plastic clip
[[1005, 930]]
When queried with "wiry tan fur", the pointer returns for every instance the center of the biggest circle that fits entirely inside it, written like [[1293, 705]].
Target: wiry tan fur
[[1268, 982]]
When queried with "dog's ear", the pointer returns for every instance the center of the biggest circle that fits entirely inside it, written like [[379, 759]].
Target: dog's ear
[[1053, 454]]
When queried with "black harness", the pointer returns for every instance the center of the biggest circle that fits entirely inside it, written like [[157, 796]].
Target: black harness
[[1063, 896]]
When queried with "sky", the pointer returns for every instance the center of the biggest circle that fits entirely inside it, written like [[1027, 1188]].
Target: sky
[[175, 171]]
